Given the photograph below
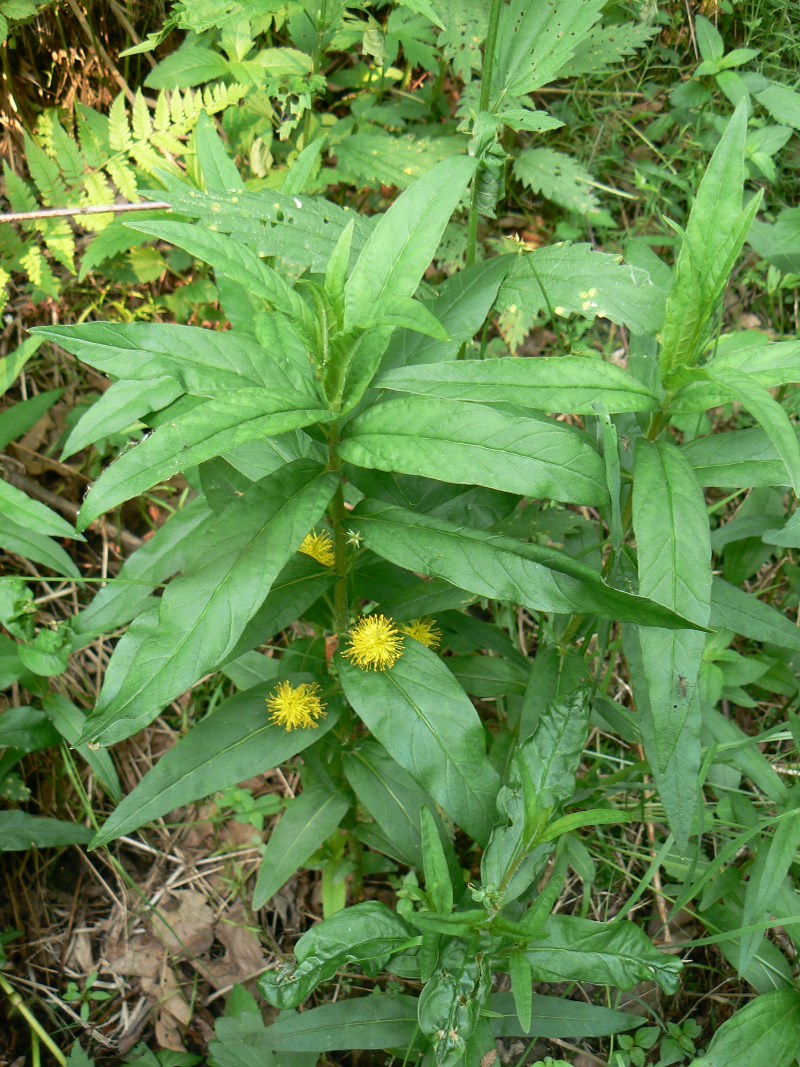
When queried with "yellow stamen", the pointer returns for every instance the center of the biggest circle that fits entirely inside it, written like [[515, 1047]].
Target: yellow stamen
[[320, 547], [425, 631], [375, 643], [296, 707]]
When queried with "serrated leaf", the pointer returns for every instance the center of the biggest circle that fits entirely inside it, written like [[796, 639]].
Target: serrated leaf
[[558, 177]]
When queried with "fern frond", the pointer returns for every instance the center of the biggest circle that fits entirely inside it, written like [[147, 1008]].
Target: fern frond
[[45, 174], [60, 242], [142, 126], [18, 193], [121, 174], [68, 153], [119, 134], [41, 277], [96, 193]]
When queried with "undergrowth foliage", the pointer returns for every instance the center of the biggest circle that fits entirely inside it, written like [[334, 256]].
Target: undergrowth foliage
[[371, 481]]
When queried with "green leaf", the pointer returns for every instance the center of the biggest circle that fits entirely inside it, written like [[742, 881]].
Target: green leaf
[[26, 729], [476, 445], [534, 42], [715, 233], [521, 987], [573, 279], [205, 362], [197, 623], [229, 257], [405, 240], [674, 559], [218, 169], [734, 609], [709, 40], [435, 867], [425, 721], [615, 954], [120, 406], [234, 743], [34, 546], [774, 858], [736, 459], [12, 364], [558, 177], [69, 720], [308, 821], [562, 384], [190, 65], [31, 514], [393, 799], [408, 314], [18, 419], [782, 103], [378, 1021], [367, 934], [501, 568], [20, 831], [556, 1017], [210, 429], [767, 1030]]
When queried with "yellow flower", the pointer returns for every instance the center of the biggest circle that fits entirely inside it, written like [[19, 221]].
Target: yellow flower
[[320, 547], [298, 706], [425, 631], [375, 643]]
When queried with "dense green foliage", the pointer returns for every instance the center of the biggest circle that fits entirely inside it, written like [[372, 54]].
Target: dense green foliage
[[430, 556]]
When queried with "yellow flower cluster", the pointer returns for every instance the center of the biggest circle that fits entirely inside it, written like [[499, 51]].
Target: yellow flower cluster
[[425, 631], [375, 643], [296, 707], [320, 547]]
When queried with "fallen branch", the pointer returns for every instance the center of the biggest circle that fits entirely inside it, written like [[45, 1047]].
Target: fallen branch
[[67, 212]]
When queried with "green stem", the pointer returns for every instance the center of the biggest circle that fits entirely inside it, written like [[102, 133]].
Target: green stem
[[338, 515], [34, 1024], [486, 89]]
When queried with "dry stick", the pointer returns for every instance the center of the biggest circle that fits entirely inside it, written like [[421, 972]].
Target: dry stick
[[67, 212]]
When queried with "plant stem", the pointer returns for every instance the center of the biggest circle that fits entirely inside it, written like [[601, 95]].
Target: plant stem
[[486, 89], [34, 1024], [338, 514]]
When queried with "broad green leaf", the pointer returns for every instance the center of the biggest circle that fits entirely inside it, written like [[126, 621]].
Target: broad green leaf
[[301, 232], [197, 623], [715, 233], [615, 954], [736, 459], [305, 825], [22, 542], [189, 65], [788, 536], [521, 987], [501, 568], [405, 239], [488, 676], [451, 1002], [564, 384], [378, 1021], [22, 510], [476, 445], [204, 362], [367, 934], [558, 177], [782, 103], [534, 42], [123, 404], [674, 559], [229, 257], [158, 559], [407, 314], [11, 365], [733, 608], [774, 858], [20, 831], [767, 1030], [425, 721], [17, 420], [573, 279], [434, 863], [553, 753], [373, 159], [393, 799], [210, 429], [557, 1017], [234, 743], [27, 729]]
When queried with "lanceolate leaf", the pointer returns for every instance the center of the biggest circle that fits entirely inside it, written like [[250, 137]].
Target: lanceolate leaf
[[476, 445], [210, 429], [426, 722], [306, 824], [734, 609], [767, 1030], [200, 617], [502, 568], [568, 383], [674, 554], [234, 743], [120, 407], [20, 832], [405, 240], [715, 233], [737, 459], [558, 1017]]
